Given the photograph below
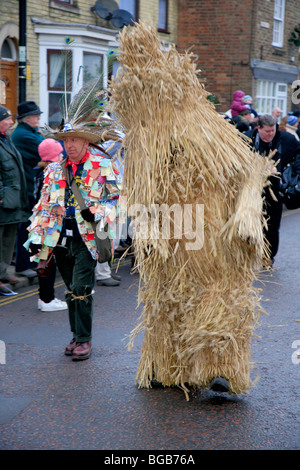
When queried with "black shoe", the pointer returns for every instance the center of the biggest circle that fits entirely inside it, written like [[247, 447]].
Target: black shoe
[[116, 277], [268, 264], [219, 384], [108, 282], [156, 384]]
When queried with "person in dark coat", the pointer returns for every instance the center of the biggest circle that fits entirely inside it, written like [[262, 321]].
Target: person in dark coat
[[243, 122], [13, 199], [26, 138], [296, 113], [266, 138]]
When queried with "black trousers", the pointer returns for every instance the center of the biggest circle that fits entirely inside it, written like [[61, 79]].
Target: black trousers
[[77, 268], [273, 214], [46, 286]]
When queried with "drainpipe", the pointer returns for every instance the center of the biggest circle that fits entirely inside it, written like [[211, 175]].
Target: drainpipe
[[22, 50]]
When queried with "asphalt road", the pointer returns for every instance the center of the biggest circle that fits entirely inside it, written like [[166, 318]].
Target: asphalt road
[[48, 402]]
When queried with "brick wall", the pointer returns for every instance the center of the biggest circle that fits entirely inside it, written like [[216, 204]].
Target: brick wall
[[46, 9], [263, 47], [148, 12], [226, 34], [79, 14], [7, 11], [219, 33]]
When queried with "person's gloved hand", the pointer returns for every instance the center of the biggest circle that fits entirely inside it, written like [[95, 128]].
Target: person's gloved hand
[[34, 249], [87, 215]]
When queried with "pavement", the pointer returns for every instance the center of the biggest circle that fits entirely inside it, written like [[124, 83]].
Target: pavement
[[23, 282]]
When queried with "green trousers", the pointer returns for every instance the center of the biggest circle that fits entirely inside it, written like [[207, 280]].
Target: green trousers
[[77, 268]]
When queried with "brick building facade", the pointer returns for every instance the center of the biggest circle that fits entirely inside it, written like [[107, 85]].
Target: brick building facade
[[48, 24], [243, 45], [239, 45]]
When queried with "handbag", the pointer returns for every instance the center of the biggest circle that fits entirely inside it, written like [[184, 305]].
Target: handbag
[[45, 265], [290, 188], [104, 245], [103, 242]]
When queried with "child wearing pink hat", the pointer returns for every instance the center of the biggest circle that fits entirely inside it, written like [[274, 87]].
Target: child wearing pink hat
[[50, 150]]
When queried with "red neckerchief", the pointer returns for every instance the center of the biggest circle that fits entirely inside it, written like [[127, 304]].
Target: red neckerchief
[[74, 164]]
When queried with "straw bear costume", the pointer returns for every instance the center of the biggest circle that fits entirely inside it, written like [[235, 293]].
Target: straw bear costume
[[199, 306]]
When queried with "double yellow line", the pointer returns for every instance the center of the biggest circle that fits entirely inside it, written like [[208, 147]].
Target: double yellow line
[[12, 298], [29, 293]]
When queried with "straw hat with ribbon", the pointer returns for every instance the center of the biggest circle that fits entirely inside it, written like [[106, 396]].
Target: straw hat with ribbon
[[83, 132]]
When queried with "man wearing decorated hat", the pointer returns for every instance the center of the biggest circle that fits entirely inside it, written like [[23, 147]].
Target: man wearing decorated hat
[[60, 223]]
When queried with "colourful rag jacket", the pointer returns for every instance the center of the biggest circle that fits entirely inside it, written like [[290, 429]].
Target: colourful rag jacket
[[100, 191]]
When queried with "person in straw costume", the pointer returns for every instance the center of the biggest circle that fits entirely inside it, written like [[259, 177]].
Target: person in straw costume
[[200, 307]]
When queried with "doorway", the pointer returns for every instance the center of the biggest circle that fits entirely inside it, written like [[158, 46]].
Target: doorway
[[8, 90]]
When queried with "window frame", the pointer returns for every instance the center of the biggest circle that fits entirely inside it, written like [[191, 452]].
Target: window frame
[[49, 88], [51, 36], [94, 54], [12, 47], [64, 2], [278, 21], [278, 99], [165, 29], [136, 9]]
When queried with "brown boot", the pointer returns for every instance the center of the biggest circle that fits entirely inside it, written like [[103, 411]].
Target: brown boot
[[70, 348], [82, 351]]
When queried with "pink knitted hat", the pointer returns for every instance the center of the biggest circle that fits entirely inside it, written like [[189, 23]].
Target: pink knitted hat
[[50, 150]]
